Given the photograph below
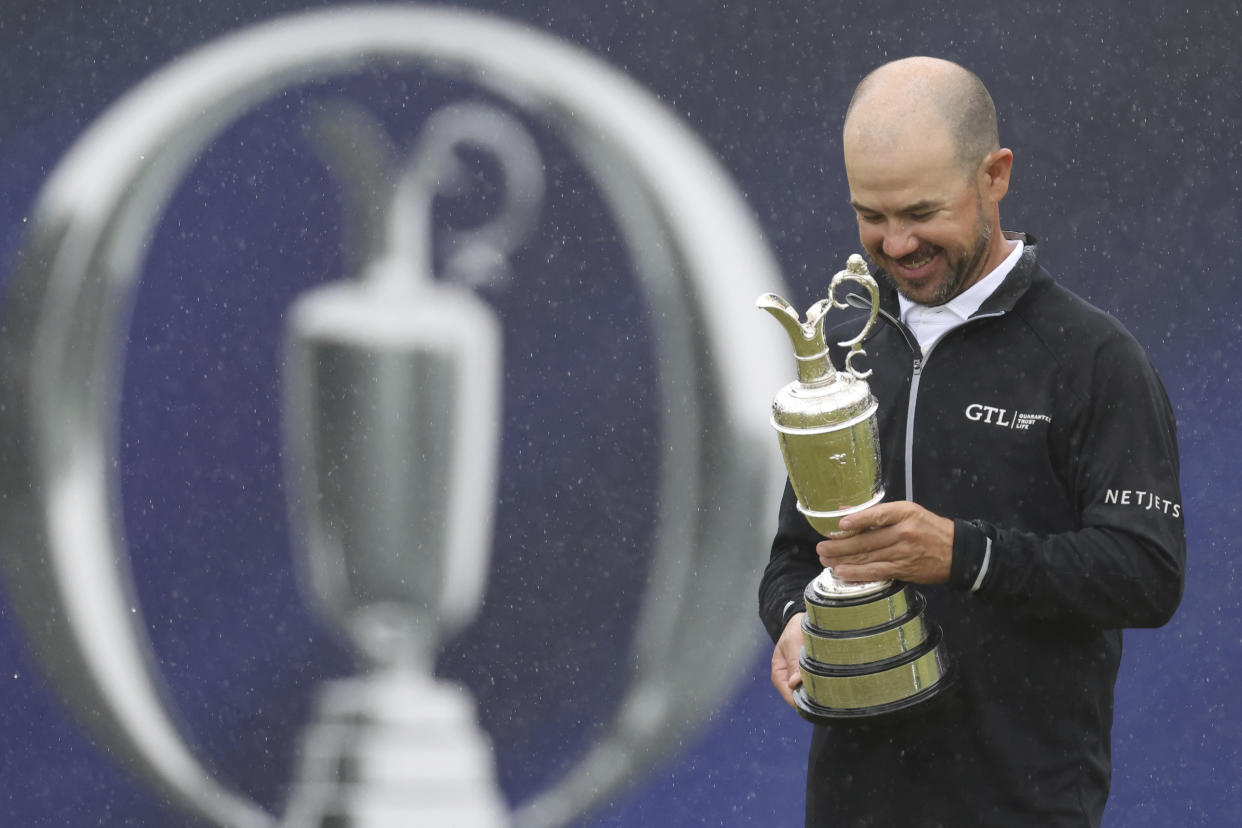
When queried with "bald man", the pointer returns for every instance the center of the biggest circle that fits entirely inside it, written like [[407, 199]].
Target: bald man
[[1031, 465]]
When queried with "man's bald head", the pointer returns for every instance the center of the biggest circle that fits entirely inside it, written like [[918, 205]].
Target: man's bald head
[[907, 97], [926, 177]]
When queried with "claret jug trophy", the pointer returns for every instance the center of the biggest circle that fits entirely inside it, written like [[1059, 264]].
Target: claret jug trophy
[[867, 650]]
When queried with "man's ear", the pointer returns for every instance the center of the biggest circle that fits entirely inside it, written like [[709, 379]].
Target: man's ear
[[994, 174]]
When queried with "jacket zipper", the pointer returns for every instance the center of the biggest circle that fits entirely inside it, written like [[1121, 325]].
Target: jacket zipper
[[920, 361], [911, 400], [919, 358]]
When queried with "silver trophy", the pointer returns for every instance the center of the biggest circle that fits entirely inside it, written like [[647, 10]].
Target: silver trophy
[[867, 650], [392, 387], [392, 423]]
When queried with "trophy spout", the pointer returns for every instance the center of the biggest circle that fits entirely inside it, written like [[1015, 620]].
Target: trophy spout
[[807, 338]]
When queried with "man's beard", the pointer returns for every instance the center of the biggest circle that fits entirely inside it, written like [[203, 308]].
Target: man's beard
[[960, 269]]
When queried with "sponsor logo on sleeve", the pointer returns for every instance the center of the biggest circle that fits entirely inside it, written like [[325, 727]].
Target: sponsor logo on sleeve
[[1149, 501]]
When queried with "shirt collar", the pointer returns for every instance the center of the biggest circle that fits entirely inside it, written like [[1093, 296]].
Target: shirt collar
[[969, 301]]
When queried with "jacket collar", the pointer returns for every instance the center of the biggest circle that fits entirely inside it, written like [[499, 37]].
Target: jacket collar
[[1017, 282], [1003, 299]]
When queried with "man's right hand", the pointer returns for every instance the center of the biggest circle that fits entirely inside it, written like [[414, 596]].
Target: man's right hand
[[785, 673]]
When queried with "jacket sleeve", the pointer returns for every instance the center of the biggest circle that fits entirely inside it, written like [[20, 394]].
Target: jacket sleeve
[[1124, 564], [792, 566]]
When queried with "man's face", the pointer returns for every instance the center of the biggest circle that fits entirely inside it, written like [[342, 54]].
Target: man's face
[[921, 216]]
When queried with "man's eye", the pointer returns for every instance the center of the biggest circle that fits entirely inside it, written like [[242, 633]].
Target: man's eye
[[870, 219], [921, 216]]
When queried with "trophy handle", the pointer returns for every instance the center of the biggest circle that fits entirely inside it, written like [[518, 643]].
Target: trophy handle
[[856, 271]]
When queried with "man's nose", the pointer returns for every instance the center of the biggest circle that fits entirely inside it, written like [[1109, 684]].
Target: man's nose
[[899, 241]]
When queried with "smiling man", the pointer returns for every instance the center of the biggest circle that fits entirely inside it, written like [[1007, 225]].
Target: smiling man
[[926, 174], [1015, 419]]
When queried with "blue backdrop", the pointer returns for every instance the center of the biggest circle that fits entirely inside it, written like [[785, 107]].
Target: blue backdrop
[[1123, 127]]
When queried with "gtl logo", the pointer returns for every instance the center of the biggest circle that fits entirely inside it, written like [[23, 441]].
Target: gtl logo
[[1002, 417]]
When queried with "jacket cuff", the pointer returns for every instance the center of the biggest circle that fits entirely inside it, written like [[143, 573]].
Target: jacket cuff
[[972, 556], [792, 608], [779, 612]]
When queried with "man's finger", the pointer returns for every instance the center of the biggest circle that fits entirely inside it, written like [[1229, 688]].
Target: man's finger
[[873, 518], [795, 678]]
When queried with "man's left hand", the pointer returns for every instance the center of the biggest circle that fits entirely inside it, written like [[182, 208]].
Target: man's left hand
[[895, 541]]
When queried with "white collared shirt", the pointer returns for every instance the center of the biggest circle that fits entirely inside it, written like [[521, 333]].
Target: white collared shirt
[[929, 323]]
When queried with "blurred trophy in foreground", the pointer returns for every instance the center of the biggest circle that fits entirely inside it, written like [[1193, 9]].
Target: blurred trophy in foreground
[[392, 388], [867, 650], [392, 395]]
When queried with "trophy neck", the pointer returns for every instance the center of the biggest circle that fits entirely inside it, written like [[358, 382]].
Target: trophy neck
[[827, 585], [815, 370], [393, 636]]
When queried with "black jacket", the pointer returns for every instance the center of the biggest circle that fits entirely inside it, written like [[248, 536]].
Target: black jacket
[[1042, 429]]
